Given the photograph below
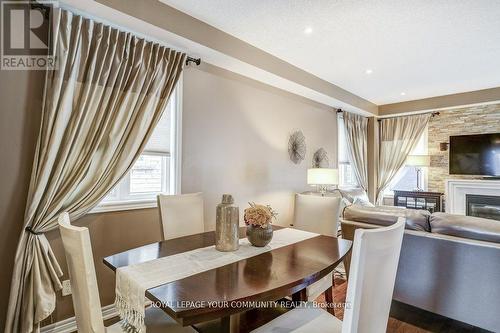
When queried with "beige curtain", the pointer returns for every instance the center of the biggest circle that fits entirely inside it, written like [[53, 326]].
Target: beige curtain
[[398, 136], [356, 134], [101, 105]]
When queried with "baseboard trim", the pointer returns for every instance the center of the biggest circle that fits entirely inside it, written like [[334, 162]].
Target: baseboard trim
[[69, 325]]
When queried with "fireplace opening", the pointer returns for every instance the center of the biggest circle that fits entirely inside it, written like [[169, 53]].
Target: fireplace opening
[[485, 206]]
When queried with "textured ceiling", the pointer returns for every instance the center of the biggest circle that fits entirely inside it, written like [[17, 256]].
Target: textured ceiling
[[422, 48]]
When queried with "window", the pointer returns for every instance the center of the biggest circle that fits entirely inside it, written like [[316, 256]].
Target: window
[[156, 170], [406, 179], [346, 174]]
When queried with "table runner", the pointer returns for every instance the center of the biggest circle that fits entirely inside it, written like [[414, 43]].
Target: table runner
[[133, 281]]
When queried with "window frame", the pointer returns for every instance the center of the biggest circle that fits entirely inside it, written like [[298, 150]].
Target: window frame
[[346, 186], [165, 171], [173, 185]]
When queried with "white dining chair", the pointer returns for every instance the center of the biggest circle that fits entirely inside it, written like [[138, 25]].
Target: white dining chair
[[85, 292], [375, 257], [320, 215], [181, 215], [317, 214]]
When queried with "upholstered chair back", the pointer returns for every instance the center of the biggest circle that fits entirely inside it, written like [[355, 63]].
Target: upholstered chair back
[[317, 214], [374, 263], [181, 215], [85, 294]]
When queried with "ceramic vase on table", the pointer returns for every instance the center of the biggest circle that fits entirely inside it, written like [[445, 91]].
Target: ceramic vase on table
[[259, 236], [227, 225]]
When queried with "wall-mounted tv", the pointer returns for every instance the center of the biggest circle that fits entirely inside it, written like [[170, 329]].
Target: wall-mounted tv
[[475, 155]]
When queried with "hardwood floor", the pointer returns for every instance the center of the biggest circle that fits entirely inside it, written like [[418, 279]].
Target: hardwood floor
[[408, 319]]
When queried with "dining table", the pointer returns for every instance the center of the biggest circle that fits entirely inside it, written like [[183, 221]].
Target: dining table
[[226, 298]]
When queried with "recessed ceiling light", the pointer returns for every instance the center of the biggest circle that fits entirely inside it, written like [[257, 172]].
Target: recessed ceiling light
[[403, 93], [369, 71], [308, 30]]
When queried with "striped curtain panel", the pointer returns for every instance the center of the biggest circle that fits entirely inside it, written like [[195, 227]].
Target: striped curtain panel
[[398, 137], [356, 133], [102, 102]]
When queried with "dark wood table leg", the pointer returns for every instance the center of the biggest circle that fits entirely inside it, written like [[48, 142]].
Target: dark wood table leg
[[299, 296], [329, 301], [230, 324]]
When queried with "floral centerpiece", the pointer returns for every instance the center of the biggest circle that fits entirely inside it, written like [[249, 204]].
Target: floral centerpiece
[[258, 219]]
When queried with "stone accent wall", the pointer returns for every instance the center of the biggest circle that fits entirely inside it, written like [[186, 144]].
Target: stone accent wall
[[468, 120]]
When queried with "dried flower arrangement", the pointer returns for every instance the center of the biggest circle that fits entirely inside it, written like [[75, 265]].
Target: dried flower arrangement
[[259, 215]]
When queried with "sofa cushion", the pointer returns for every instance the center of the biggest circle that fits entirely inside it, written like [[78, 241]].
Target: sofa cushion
[[356, 195], [466, 227], [416, 219]]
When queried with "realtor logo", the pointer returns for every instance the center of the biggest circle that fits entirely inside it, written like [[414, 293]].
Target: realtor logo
[[25, 29]]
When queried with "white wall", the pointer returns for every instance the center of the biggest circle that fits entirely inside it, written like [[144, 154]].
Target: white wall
[[235, 140]]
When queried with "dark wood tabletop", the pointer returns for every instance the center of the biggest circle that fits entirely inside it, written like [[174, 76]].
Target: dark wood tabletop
[[222, 292]]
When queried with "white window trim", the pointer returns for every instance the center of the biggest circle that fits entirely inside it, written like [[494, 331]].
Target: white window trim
[[123, 205], [175, 165], [176, 137], [346, 186]]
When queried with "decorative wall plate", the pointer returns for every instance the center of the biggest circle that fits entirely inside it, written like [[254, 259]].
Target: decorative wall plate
[[297, 147], [320, 159]]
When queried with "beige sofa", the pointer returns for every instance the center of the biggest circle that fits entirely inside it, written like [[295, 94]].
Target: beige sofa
[[449, 264]]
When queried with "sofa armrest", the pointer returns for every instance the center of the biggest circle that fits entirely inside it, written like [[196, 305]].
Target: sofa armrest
[[348, 230]]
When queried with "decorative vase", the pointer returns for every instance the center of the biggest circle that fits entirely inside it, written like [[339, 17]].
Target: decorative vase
[[258, 236], [227, 225]]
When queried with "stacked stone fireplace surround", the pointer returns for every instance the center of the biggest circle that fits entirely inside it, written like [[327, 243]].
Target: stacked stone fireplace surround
[[460, 121]]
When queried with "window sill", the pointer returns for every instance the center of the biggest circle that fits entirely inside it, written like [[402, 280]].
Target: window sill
[[348, 187], [124, 205]]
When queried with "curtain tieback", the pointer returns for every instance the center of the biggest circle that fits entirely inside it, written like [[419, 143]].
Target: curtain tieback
[[31, 231]]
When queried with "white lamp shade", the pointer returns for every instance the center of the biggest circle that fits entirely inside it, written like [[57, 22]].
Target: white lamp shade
[[322, 176], [418, 160]]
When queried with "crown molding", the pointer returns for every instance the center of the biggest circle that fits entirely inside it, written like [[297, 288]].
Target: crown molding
[[491, 95]]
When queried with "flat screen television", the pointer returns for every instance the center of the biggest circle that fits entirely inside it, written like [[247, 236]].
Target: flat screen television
[[475, 155]]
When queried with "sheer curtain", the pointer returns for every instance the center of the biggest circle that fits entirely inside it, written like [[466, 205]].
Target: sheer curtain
[[398, 136], [101, 104], [356, 133]]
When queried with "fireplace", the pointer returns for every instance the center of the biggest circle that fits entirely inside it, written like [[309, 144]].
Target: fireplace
[[486, 206], [458, 189]]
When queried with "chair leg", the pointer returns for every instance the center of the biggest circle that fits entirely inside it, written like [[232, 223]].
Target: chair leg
[[329, 300]]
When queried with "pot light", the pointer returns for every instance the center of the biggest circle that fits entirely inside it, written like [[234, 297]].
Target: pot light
[[369, 71], [308, 30]]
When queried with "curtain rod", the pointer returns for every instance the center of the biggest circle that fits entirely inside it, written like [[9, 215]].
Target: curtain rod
[[433, 114], [196, 61], [46, 10]]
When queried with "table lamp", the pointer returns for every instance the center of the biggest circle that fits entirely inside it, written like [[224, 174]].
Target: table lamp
[[418, 161], [322, 178]]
